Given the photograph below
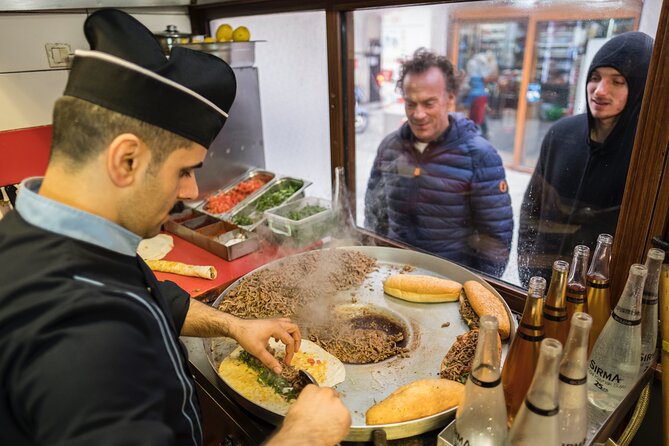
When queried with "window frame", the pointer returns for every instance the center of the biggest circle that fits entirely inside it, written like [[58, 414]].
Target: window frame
[[645, 206]]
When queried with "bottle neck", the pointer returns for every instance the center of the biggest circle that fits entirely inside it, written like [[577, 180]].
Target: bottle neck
[[650, 289], [599, 267], [486, 364], [542, 395], [628, 309], [555, 300], [531, 326], [573, 367]]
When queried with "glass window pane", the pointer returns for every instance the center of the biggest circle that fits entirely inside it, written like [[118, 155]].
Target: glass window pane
[[523, 68]]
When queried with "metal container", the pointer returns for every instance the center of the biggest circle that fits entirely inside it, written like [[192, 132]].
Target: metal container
[[219, 237], [428, 340], [263, 175], [171, 37], [236, 54], [257, 217]]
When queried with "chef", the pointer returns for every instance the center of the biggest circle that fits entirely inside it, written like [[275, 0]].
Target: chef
[[89, 348]]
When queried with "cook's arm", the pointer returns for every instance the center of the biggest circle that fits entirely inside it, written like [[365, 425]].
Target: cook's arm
[[252, 334]]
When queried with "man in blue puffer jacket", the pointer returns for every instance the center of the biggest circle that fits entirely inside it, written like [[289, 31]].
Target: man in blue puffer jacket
[[436, 183]]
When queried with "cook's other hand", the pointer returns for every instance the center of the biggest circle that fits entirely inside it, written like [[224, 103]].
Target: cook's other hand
[[318, 418], [253, 334]]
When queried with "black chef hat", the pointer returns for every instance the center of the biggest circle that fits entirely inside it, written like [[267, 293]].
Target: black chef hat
[[189, 94]]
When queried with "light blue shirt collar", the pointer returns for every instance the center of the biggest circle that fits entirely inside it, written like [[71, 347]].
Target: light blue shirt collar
[[57, 217]]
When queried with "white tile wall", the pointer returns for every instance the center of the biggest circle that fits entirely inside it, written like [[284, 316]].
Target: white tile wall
[[26, 99], [28, 87]]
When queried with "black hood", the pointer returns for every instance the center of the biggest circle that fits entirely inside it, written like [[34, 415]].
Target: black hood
[[629, 54]]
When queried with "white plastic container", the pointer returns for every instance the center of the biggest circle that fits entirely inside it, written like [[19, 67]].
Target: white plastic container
[[305, 231]]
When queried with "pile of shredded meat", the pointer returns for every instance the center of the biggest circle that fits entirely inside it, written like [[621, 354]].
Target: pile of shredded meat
[[457, 363], [354, 344], [296, 281]]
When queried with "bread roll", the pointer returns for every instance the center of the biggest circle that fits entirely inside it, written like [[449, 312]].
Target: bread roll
[[416, 400], [419, 288], [484, 302]]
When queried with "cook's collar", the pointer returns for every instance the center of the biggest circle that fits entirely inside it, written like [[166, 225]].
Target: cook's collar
[[57, 217]]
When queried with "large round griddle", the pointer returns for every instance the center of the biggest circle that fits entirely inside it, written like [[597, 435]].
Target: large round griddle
[[428, 342]]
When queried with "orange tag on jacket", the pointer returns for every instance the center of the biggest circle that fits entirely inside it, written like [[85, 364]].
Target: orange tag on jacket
[[416, 171]]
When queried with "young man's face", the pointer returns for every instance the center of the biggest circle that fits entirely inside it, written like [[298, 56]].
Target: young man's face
[[426, 103], [607, 93], [161, 189]]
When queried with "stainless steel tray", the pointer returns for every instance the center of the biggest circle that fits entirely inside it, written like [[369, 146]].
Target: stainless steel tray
[[428, 342], [248, 209], [264, 174]]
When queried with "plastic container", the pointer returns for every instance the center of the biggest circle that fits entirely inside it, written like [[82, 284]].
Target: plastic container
[[254, 209], [306, 230]]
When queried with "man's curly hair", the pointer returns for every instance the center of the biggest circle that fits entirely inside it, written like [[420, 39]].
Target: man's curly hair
[[423, 60]]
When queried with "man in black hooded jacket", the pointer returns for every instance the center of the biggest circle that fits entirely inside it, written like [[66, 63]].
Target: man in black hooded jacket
[[577, 186]]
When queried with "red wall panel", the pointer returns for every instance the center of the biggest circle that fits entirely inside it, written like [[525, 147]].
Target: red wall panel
[[24, 153]]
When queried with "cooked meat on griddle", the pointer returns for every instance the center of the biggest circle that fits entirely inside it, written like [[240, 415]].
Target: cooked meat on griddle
[[353, 344], [297, 281], [467, 312], [457, 364]]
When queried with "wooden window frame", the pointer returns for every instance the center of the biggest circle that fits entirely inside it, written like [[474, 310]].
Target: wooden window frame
[[645, 205]]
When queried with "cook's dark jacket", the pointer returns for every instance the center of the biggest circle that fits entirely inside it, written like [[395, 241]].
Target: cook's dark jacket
[[89, 350]]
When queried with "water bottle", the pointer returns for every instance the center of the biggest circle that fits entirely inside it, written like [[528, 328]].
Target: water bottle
[[616, 356], [597, 287], [649, 316], [538, 422], [576, 299], [481, 418], [521, 359], [573, 377], [556, 325]]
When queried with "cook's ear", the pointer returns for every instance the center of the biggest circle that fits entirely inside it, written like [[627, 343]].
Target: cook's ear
[[126, 156]]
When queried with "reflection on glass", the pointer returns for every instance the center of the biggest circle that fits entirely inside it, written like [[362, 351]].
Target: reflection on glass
[[577, 187], [523, 68], [557, 76]]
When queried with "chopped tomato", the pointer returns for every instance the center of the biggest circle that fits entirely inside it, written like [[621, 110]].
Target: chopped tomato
[[311, 361], [223, 202]]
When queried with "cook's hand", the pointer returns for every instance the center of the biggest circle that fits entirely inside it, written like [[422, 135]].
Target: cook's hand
[[318, 418], [253, 334]]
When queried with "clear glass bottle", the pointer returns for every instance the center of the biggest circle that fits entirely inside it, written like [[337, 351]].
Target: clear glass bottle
[[556, 325], [649, 315], [616, 356], [481, 418], [573, 379], [521, 358], [538, 422], [576, 300], [597, 287]]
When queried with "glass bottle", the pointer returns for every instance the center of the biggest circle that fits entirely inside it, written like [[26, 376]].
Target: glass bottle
[[521, 358], [649, 315], [344, 223], [597, 287], [537, 422], [576, 300], [573, 377], [481, 418], [556, 325], [616, 356]]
